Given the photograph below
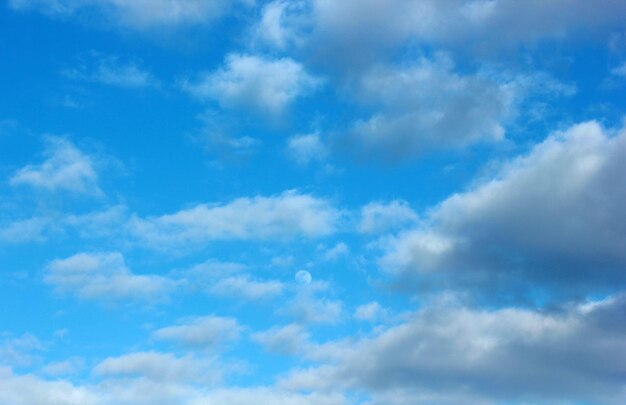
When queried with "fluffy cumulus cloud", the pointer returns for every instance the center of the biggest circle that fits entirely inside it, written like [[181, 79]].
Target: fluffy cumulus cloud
[[138, 15], [428, 106], [105, 277], [254, 82], [201, 332], [553, 218], [65, 168], [447, 354], [287, 215]]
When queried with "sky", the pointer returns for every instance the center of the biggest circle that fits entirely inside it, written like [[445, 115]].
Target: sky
[[312, 202]]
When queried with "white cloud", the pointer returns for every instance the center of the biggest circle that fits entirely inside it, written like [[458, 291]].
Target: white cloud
[[63, 368], [428, 106], [352, 34], [105, 223], [160, 385], [454, 355], [291, 339], [552, 218], [112, 71], [270, 29], [31, 390], [201, 332], [369, 312], [287, 215], [65, 168], [104, 276], [378, 217], [230, 280], [242, 286], [160, 367], [309, 308], [140, 15], [18, 351], [335, 252], [254, 82], [24, 230], [620, 70], [304, 149]]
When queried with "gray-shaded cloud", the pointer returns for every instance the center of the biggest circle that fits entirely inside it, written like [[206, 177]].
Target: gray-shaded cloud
[[551, 219], [448, 354]]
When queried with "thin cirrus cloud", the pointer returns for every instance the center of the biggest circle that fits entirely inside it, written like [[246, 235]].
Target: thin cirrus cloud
[[450, 354], [255, 83], [105, 277], [112, 71], [141, 15], [553, 219], [282, 216], [66, 168]]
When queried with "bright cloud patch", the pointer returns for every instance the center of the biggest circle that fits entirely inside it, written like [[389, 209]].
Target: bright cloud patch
[[163, 367], [286, 215], [254, 82], [203, 332], [65, 168], [379, 216], [105, 277], [304, 149]]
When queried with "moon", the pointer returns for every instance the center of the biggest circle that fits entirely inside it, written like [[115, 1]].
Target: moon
[[303, 277]]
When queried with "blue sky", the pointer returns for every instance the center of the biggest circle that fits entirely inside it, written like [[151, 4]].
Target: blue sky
[[351, 202]]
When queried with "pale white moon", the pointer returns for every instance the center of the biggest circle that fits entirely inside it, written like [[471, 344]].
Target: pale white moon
[[303, 277]]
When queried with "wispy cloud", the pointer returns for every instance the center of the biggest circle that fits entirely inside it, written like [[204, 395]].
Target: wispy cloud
[[65, 168]]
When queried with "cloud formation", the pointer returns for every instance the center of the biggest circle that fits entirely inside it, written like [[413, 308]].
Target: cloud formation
[[112, 71], [140, 15], [304, 149], [378, 217], [66, 168], [286, 215], [447, 354], [553, 218], [105, 277], [201, 332], [254, 82]]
